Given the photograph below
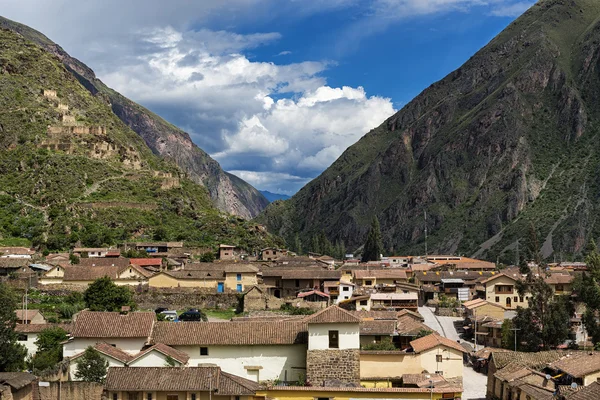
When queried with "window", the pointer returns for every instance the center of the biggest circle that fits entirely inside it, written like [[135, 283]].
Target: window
[[193, 396], [377, 339], [516, 299], [322, 398], [297, 282], [149, 396], [239, 288], [115, 396], [521, 299], [364, 302], [345, 288], [130, 270], [497, 299], [559, 288], [22, 338], [368, 283], [238, 277], [334, 339], [203, 351], [438, 358]]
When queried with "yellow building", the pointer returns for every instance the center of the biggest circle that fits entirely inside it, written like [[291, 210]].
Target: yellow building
[[221, 277], [501, 290], [370, 278], [351, 393], [482, 308]]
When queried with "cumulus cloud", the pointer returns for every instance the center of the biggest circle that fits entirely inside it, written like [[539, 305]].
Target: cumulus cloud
[[275, 182]]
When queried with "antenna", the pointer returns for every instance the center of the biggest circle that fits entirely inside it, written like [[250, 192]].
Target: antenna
[[425, 213]]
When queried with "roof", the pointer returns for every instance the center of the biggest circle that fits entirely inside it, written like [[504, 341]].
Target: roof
[[37, 328], [473, 305], [230, 333], [162, 379], [461, 262], [14, 262], [17, 250], [226, 246], [177, 355], [110, 351], [16, 380], [90, 249], [432, 341], [375, 315], [310, 292], [421, 380], [144, 272], [378, 327], [452, 280], [559, 279], [333, 314], [578, 365], [94, 324], [304, 273], [466, 276], [413, 314], [104, 262], [590, 392], [532, 360], [158, 244], [380, 274], [492, 278], [407, 325], [221, 267], [394, 296], [88, 273], [146, 262], [30, 314]]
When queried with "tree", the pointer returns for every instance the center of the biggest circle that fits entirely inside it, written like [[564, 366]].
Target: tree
[[545, 324], [588, 290], [533, 245], [12, 354], [423, 333], [91, 367], [73, 259], [297, 244], [373, 246], [508, 335], [207, 257], [49, 351], [104, 295]]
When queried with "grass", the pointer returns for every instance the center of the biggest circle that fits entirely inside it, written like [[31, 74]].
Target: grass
[[221, 314]]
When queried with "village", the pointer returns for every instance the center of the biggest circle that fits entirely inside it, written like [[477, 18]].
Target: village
[[287, 326]]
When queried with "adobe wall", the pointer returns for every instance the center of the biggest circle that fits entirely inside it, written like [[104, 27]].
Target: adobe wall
[[71, 391], [332, 365]]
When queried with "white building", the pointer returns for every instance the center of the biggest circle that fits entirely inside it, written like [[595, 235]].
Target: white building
[[27, 334]]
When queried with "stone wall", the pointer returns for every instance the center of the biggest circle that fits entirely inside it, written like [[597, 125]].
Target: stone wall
[[71, 391], [180, 298], [340, 366]]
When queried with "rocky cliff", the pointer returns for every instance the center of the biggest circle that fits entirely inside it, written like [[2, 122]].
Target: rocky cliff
[[164, 139], [508, 140]]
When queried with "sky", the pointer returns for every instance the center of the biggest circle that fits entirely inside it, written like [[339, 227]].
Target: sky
[[275, 90]]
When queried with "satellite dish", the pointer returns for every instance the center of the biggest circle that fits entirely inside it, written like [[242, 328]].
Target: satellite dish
[[573, 385], [548, 377]]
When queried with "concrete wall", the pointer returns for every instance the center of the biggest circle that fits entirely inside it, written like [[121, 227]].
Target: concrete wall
[[277, 362], [332, 365], [318, 336]]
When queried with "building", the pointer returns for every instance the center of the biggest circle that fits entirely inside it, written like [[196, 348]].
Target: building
[[272, 254], [10, 265], [561, 283], [482, 308], [89, 252], [177, 383], [235, 277], [27, 334], [379, 277], [461, 263], [338, 290], [501, 289], [17, 385], [157, 249], [82, 275], [289, 281], [226, 252], [582, 368], [30, 316], [358, 393], [397, 301]]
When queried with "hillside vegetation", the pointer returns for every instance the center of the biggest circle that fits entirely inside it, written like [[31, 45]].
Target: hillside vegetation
[[508, 140], [72, 172]]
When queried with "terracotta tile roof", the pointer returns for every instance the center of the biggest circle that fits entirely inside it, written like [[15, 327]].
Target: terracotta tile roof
[[17, 251], [492, 278], [16, 380], [333, 314], [146, 262], [143, 271], [487, 351], [37, 328], [378, 327], [14, 263], [539, 393], [110, 351], [91, 324], [222, 267], [30, 314], [103, 262], [422, 380], [82, 273], [536, 361], [317, 292], [230, 333], [90, 249], [380, 274], [413, 314], [363, 314], [471, 303], [578, 365], [409, 326], [171, 379], [590, 392], [559, 279], [432, 341], [313, 273], [177, 355]]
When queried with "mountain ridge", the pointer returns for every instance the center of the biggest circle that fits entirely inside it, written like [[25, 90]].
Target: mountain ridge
[[506, 141], [165, 139], [274, 196]]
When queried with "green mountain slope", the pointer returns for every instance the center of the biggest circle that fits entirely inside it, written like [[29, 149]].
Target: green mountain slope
[[507, 140], [72, 172], [163, 138]]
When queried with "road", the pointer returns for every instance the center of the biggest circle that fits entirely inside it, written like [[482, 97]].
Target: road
[[474, 383]]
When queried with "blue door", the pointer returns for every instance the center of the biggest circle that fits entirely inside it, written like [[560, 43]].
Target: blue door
[[239, 287], [220, 287]]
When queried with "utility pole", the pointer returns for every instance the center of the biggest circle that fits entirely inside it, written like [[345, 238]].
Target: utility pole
[[515, 334], [475, 333]]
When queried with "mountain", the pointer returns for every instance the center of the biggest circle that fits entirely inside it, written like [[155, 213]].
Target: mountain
[[506, 144], [163, 138], [274, 196], [71, 172]]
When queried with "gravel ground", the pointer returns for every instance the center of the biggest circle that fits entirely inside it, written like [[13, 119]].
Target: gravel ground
[[474, 383]]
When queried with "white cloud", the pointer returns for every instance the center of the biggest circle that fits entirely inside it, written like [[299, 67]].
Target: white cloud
[[284, 53], [511, 10], [275, 182]]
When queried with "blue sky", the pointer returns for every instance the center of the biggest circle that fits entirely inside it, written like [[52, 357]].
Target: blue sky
[[275, 90]]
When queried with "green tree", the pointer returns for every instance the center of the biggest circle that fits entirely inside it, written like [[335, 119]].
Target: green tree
[[104, 295], [49, 351], [533, 245], [586, 286], [297, 244], [423, 333], [73, 259], [374, 245], [508, 335], [12, 354], [326, 246], [316, 245], [207, 257], [385, 344], [545, 323], [91, 367]]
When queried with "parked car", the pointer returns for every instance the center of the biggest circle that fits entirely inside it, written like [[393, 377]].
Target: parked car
[[161, 309], [170, 315], [192, 315]]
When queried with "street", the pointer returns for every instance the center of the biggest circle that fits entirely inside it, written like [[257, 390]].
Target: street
[[474, 383]]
